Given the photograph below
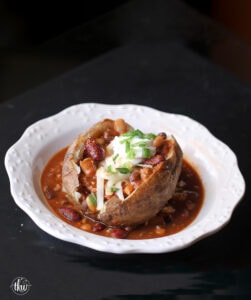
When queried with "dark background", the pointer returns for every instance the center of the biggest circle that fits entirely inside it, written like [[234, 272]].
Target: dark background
[[186, 57], [26, 58], [29, 56]]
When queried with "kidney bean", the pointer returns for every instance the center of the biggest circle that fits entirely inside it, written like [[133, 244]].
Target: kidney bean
[[70, 214], [162, 134], [118, 233], [154, 160], [94, 150], [50, 194], [98, 227]]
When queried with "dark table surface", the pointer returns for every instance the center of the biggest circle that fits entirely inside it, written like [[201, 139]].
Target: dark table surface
[[167, 56]]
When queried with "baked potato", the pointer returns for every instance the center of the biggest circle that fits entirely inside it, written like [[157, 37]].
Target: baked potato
[[120, 176]]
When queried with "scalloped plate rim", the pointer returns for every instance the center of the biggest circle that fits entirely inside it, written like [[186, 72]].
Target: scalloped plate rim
[[74, 235]]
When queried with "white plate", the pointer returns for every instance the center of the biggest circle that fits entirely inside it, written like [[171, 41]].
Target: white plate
[[215, 162]]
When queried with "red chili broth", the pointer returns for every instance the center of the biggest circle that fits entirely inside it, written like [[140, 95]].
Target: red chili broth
[[181, 210]]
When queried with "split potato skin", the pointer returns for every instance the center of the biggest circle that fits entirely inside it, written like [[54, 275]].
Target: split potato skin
[[70, 170], [144, 202], [149, 198]]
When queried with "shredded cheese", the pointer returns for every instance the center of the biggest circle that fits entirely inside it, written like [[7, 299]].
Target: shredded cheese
[[100, 190], [125, 152]]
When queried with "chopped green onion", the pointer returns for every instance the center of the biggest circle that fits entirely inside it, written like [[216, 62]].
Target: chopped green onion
[[133, 133], [109, 170], [114, 189], [128, 133], [146, 153], [127, 165], [149, 136], [115, 157], [131, 154], [125, 140], [123, 170], [139, 134], [92, 199], [139, 144], [128, 146]]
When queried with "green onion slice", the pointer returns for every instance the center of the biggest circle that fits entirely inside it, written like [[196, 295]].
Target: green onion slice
[[131, 154], [133, 133], [125, 140], [115, 157], [139, 134], [123, 170], [139, 144], [149, 136], [146, 153], [128, 146], [92, 199], [109, 170]]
